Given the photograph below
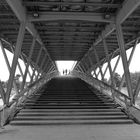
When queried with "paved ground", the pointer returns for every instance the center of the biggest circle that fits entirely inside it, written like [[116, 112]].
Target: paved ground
[[81, 132]]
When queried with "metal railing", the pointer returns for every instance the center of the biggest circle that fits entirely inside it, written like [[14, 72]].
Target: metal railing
[[7, 113], [116, 95]]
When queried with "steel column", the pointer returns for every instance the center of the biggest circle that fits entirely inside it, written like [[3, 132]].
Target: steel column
[[15, 59], [121, 43]]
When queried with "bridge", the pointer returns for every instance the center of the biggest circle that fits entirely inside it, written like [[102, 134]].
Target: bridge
[[93, 33]]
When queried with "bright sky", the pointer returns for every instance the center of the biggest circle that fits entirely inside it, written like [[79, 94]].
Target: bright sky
[[4, 73], [63, 65], [134, 65]]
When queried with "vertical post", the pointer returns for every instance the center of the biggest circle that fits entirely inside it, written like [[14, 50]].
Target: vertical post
[[28, 63], [121, 43], [15, 59], [98, 61]]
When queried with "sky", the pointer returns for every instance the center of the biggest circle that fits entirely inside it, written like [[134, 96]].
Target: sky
[[4, 73], [63, 65]]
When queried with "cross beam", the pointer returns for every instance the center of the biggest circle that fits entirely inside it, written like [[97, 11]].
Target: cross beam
[[49, 16]]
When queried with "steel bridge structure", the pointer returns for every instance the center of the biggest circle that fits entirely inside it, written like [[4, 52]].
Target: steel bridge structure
[[91, 32]]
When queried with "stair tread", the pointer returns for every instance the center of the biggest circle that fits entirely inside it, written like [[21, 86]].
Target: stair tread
[[67, 122], [62, 110], [70, 117], [70, 102]]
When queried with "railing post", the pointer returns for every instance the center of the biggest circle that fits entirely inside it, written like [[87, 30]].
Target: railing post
[[15, 59], [121, 43]]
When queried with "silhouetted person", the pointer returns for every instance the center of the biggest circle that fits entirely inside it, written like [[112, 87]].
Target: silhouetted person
[[66, 71]]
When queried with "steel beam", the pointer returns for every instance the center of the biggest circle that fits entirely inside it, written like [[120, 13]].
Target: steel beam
[[137, 90], [2, 93], [24, 61], [20, 12], [127, 9], [121, 44], [20, 69], [15, 60], [28, 63], [108, 60], [117, 62], [64, 3], [98, 61], [8, 65], [50, 16], [129, 62]]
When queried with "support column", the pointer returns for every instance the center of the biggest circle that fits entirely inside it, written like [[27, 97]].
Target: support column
[[15, 59], [28, 63], [98, 61], [121, 43]]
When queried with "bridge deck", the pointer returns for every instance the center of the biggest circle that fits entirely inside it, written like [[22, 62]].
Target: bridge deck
[[76, 132]]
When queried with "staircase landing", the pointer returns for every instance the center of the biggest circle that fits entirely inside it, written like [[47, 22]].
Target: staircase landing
[[69, 132]]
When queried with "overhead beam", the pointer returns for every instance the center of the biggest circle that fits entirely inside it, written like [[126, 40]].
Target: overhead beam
[[20, 13], [50, 16], [64, 3], [127, 9]]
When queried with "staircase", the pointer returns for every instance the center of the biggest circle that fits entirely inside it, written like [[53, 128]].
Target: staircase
[[67, 101]]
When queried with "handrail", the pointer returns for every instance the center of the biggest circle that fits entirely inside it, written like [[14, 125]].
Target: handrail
[[101, 82], [25, 90], [20, 94]]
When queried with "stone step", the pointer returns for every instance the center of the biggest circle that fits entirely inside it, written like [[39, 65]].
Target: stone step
[[71, 122]]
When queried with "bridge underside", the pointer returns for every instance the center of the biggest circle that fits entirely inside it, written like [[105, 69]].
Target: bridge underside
[[91, 32]]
